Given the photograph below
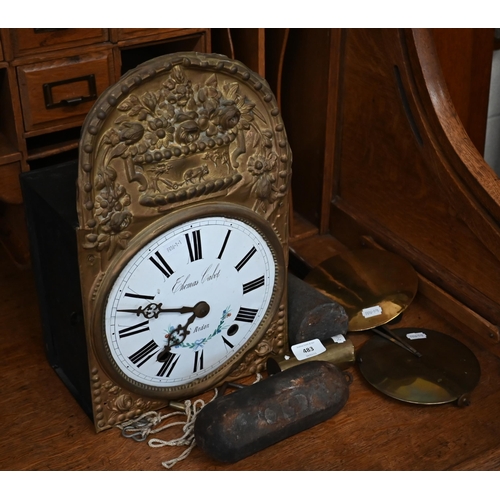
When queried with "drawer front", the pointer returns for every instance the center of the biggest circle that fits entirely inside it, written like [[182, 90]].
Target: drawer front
[[27, 41], [132, 33], [61, 92]]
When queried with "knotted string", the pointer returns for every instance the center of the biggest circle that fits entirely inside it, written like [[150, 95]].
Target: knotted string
[[150, 422]]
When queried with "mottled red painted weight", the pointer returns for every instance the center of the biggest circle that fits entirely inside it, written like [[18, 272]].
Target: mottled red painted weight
[[249, 420]]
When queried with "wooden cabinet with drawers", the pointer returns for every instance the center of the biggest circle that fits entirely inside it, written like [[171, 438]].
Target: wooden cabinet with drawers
[[58, 93], [49, 80], [28, 41]]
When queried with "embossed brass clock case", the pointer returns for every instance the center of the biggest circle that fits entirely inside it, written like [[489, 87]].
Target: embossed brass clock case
[[181, 136]]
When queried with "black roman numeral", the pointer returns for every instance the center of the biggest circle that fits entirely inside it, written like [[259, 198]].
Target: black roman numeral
[[245, 259], [144, 353], [168, 365], [162, 265], [252, 285], [198, 361], [194, 247], [224, 244], [227, 342], [246, 315], [140, 296], [134, 329]]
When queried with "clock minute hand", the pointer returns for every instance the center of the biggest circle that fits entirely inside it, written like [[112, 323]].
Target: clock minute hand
[[200, 310], [153, 310]]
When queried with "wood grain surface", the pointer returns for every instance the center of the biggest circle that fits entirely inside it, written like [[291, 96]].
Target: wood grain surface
[[45, 429]]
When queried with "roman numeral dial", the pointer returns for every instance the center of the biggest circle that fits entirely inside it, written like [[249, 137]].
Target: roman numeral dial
[[190, 302], [198, 361], [168, 365], [140, 296], [226, 238], [253, 285], [134, 329], [244, 261], [246, 314], [143, 354], [193, 241], [161, 264]]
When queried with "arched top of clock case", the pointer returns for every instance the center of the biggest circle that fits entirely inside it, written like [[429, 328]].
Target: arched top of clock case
[[177, 130]]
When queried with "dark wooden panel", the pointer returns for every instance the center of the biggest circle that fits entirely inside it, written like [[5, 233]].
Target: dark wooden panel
[[10, 190], [249, 48], [304, 100], [465, 55], [276, 42], [222, 42]]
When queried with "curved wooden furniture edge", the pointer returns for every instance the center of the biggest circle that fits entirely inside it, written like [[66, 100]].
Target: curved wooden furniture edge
[[475, 191]]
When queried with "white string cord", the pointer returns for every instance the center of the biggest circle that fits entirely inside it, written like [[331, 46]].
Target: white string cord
[[187, 439], [149, 423]]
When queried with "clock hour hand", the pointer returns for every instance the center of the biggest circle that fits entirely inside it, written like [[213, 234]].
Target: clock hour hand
[[178, 334], [154, 310]]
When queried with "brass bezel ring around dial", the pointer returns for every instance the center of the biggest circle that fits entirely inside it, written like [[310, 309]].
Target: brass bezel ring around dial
[[174, 219]]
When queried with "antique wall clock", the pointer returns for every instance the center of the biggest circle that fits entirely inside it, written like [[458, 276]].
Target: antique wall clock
[[183, 183]]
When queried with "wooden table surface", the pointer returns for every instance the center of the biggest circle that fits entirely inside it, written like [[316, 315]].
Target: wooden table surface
[[45, 429]]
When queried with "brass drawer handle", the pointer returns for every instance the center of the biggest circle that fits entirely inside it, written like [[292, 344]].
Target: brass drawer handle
[[49, 101]]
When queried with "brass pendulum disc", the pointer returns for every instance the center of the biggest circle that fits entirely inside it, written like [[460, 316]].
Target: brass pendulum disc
[[373, 286], [447, 371]]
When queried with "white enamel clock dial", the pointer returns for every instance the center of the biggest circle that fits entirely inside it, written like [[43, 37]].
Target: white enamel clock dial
[[188, 301]]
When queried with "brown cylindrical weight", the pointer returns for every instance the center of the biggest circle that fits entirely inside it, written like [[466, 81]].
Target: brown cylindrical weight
[[251, 419]]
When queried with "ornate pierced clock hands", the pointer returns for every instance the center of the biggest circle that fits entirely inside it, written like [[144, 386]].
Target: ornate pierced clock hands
[[178, 334], [154, 310]]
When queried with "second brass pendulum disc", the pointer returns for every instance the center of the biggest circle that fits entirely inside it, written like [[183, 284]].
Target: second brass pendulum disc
[[447, 370], [373, 286]]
